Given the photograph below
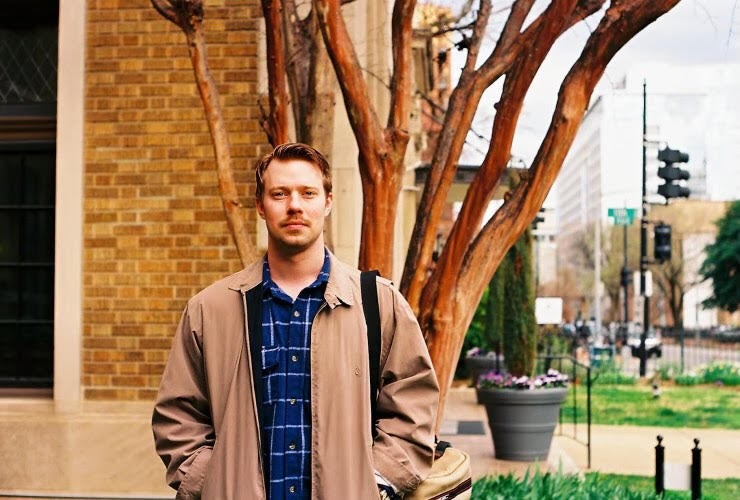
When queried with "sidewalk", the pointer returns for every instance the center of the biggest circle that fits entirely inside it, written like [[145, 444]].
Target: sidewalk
[[614, 449], [105, 450]]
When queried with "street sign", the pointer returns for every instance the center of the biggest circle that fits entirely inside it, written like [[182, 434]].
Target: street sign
[[648, 283], [622, 216], [548, 310]]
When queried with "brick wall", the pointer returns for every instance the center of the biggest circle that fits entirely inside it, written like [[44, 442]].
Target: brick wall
[[154, 231]]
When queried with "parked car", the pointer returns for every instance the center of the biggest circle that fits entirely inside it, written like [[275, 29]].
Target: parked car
[[653, 345]]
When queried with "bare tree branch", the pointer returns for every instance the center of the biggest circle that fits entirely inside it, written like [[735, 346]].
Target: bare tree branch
[[277, 121], [188, 15]]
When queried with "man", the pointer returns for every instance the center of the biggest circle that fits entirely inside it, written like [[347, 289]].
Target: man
[[266, 391]]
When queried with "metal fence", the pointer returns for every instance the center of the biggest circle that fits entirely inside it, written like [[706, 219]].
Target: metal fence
[[686, 350], [671, 351]]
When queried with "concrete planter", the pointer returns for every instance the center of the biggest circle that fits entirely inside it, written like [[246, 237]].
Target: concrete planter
[[522, 422], [480, 364]]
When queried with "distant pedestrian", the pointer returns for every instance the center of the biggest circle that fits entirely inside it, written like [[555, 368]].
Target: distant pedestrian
[[266, 390]]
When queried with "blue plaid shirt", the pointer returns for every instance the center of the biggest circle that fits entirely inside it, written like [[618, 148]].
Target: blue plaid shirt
[[286, 381]]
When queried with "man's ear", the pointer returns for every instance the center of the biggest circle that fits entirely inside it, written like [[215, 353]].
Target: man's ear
[[329, 203], [260, 208]]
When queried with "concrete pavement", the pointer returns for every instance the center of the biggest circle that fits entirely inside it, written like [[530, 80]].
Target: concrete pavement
[[614, 449], [105, 450]]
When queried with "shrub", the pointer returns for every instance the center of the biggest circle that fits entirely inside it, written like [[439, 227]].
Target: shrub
[[614, 378], [718, 372], [611, 374], [688, 379], [721, 373], [553, 486], [668, 371]]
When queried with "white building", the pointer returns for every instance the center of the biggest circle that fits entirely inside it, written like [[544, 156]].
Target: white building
[[692, 109]]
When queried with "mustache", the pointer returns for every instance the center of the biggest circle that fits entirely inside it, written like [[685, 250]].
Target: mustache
[[291, 221]]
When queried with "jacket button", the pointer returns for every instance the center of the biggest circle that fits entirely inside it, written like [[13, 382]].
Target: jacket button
[[357, 371], [294, 358], [291, 489]]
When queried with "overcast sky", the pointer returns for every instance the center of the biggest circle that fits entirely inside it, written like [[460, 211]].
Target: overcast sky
[[693, 32]]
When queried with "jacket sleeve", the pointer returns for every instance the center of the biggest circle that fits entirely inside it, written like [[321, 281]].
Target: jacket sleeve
[[408, 396], [181, 422]]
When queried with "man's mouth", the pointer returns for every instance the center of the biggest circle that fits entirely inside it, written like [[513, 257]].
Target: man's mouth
[[294, 224]]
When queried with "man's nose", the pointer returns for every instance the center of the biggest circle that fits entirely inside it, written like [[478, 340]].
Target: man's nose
[[294, 201]]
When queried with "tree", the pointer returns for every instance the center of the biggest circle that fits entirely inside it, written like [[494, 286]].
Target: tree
[[446, 299], [519, 323], [722, 264], [611, 270]]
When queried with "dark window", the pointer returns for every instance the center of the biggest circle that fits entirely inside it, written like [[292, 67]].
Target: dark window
[[28, 93], [26, 263]]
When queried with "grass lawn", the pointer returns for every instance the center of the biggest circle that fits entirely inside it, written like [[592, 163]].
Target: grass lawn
[[702, 406], [711, 489]]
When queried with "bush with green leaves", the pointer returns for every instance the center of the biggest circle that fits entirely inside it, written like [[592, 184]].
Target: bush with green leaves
[[668, 371], [609, 373], [721, 372], [718, 372], [553, 486], [688, 379]]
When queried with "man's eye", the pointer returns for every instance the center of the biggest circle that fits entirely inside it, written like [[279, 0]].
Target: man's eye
[[278, 194], [311, 193]]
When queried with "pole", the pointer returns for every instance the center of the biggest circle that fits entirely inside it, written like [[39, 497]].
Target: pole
[[696, 471], [625, 285], [643, 238], [597, 277], [659, 466]]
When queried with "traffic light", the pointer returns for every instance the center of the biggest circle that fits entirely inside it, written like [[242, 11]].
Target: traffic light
[[672, 174], [625, 277], [662, 251], [538, 218]]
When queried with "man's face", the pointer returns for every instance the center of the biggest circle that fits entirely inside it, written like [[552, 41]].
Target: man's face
[[294, 205]]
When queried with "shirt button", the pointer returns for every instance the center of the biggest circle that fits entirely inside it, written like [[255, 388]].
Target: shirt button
[[292, 489], [296, 314], [294, 358], [292, 401], [291, 446]]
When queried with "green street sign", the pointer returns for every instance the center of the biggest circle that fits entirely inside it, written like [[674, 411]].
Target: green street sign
[[622, 216]]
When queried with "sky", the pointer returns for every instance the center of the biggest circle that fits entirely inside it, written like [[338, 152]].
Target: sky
[[694, 32]]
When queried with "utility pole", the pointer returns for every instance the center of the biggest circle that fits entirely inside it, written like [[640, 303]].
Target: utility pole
[[597, 276], [643, 238], [625, 279]]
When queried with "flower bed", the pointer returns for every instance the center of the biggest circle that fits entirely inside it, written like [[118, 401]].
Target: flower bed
[[496, 380]]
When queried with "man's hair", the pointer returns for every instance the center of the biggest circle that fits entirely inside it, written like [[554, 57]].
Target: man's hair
[[292, 151]]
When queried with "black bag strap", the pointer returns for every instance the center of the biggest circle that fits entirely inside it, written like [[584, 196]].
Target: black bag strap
[[369, 290], [253, 330]]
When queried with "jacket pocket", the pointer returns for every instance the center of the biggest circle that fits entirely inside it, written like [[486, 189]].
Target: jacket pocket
[[191, 486], [270, 373]]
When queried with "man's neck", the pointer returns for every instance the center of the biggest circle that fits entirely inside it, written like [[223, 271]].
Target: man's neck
[[294, 272]]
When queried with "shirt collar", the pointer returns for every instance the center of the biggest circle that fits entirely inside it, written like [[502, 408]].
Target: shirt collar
[[323, 277]]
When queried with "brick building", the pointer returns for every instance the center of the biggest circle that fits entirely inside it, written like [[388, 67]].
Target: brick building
[[95, 273]]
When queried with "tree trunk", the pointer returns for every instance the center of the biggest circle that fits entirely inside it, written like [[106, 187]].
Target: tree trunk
[[189, 18]]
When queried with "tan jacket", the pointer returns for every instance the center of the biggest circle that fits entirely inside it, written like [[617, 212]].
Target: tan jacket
[[205, 420]]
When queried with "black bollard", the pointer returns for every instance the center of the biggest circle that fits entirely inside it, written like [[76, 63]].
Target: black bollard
[[659, 466], [696, 471]]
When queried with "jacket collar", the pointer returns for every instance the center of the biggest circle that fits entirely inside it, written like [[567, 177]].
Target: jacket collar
[[338, 291]]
